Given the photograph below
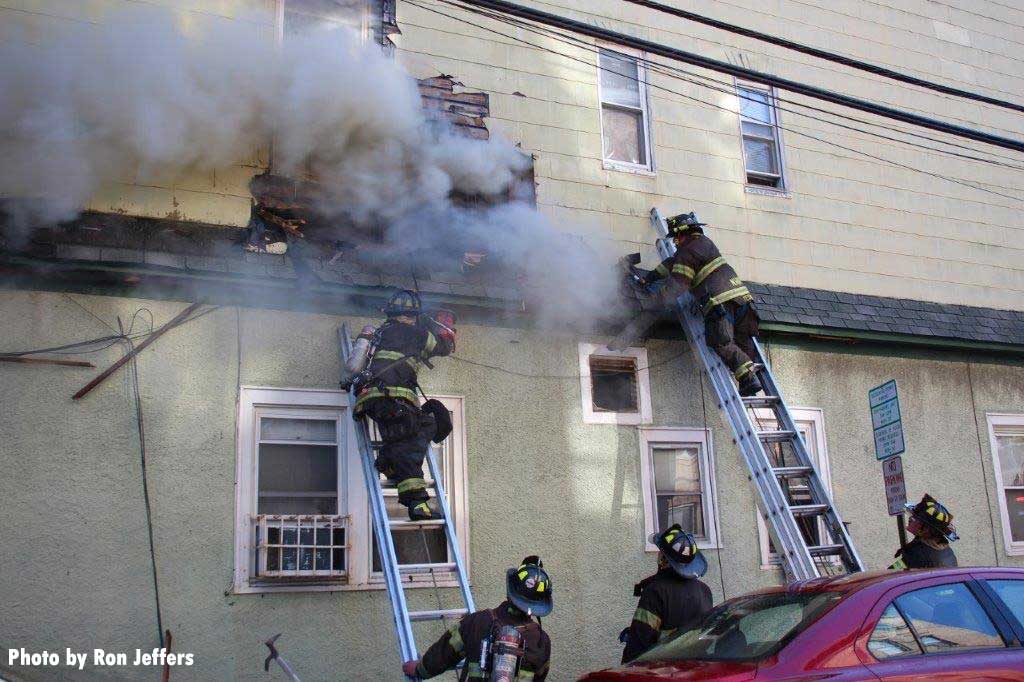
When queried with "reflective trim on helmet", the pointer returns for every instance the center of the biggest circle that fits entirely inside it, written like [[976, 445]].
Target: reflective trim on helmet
[[647, 618], [705, 271], [410, 484]]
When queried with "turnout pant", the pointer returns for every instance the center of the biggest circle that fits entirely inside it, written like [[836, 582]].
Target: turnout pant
[[405, 431], [731, 329]]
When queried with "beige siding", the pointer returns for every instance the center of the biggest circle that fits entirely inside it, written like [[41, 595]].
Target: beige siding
[[851, 223]]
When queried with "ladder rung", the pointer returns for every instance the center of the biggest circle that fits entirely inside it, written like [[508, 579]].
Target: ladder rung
[[426, 568], [761, 400], [775, 436], [416, 616], [826, 550], [792, 472], [808, 509], [402, 524]]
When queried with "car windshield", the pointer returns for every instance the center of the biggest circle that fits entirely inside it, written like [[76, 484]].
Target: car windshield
[[748, 628]]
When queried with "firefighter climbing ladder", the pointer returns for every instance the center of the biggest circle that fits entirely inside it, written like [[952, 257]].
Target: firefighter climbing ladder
[[801, 560], [383, 524]]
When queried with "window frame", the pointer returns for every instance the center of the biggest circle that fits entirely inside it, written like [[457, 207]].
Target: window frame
[[679, 436], [351, 488], [644, 413], [814, 416], [783, 188], [365, 31], [1004, 423], [644, 109]]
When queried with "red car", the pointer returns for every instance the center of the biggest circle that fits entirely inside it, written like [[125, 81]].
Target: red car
[[947, 624]]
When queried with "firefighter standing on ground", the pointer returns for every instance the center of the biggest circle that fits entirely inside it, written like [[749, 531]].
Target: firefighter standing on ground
[[730, 319], [932, 526], [672, 598], [387, 394], [483, 638]]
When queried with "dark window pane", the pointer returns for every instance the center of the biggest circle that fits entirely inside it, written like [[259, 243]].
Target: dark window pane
[[892, 637], [614, 384], [686, 510], [416, 547], [619, 80], [949, 617], [756, 105], [760, 156]]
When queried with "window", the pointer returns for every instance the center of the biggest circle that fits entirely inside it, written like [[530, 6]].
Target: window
[[678, 483], [625, 129], [810, 422], [1011, 592], [615, 386], [762, 146], [302, 16], [947, 617], [301, 510], [892, 637], [1006, 437]]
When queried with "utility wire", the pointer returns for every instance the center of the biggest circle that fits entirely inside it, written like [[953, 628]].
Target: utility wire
[[826, 55], [728, 88], [711, 104]]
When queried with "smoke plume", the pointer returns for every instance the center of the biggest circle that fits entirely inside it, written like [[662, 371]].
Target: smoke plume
[[141, 99]]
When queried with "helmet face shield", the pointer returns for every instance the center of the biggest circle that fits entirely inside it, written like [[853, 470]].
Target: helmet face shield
[[681, 552], [528, 587]]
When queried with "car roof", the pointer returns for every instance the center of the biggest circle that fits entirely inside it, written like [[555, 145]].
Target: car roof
[[855, 582]]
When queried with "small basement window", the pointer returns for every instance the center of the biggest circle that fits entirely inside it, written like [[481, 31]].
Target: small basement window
[[615, 385]]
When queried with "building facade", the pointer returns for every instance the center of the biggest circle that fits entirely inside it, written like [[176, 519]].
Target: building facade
[[870, 260]]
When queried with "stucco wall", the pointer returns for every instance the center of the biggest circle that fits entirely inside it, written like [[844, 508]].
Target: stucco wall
[[76, 571]]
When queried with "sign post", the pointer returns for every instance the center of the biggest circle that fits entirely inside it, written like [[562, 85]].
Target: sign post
[[887, 425]]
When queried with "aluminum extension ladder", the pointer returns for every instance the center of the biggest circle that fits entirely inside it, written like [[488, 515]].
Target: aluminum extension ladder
[[775, 458], [382, 526]]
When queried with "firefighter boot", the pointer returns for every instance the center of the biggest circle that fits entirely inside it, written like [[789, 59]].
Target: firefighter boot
[[750, 385], [421, 511]]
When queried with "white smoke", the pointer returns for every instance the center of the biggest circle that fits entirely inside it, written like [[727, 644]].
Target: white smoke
[[139, 99]]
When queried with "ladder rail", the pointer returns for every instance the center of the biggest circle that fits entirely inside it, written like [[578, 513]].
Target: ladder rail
[[819, 492], [449, 529], [385, 543]]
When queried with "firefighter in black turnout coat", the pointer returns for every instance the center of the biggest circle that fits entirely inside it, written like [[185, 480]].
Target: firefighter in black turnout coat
[[730, 320], [479, 639], [672, 598], [932, 526], [387, 393]]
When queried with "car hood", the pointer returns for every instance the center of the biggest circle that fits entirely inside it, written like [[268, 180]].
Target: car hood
[[728, 671]]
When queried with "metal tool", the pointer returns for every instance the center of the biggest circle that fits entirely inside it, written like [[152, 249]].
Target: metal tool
[[275, 655]]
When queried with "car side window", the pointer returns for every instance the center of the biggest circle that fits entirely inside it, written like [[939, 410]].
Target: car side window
[[1012, 594], [892, 637], [948, 617]]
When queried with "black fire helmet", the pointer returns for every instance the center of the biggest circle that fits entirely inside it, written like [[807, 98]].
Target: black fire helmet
[[682, 552], [529, 587]]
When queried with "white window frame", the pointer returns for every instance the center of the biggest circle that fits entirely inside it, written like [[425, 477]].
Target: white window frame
[[814, 419], [643, 415], [1004, 423], [351, 488], [644, 109], [652, 436], [365, 30], [783, 188]]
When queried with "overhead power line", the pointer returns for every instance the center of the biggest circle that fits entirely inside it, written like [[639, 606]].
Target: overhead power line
[[747, 74], [826, 55]]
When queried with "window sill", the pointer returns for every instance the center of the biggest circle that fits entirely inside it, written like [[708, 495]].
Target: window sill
[[616, 418], [627, 168], [265, 588], [767, 191]]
